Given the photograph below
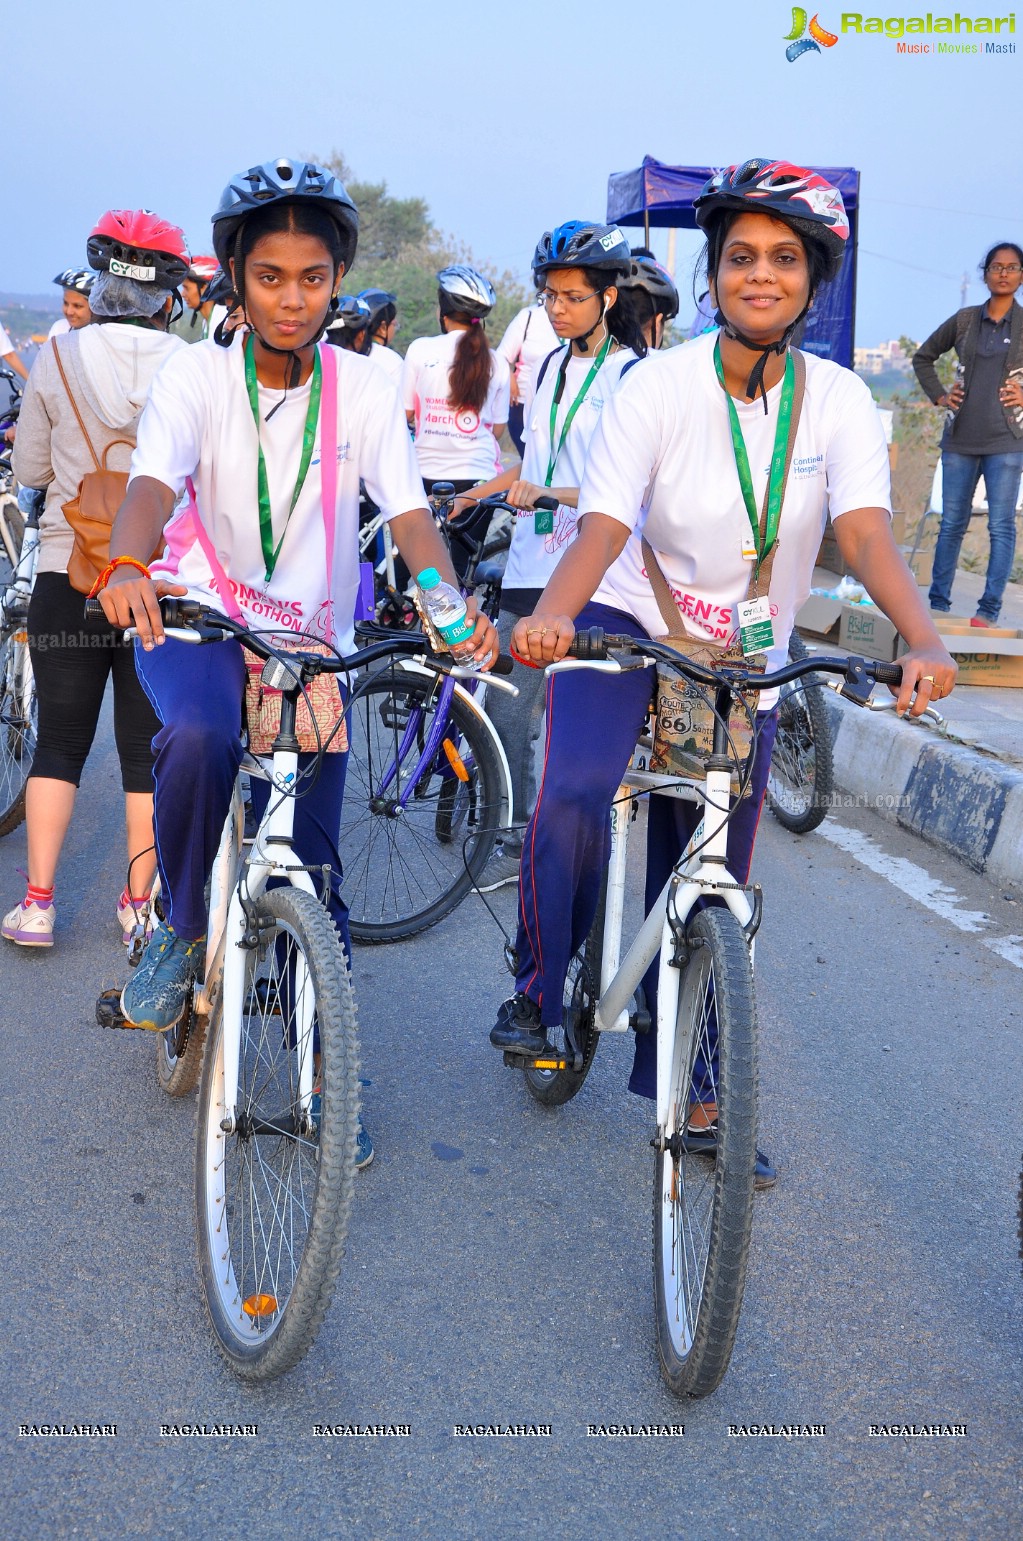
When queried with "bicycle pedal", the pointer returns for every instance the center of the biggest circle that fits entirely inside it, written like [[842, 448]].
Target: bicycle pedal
[[109, 1013], [551, 1061]]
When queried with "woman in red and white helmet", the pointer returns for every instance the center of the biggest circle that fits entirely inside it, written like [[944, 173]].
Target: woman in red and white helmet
[[198, 320], [92, 381], [685, 455]]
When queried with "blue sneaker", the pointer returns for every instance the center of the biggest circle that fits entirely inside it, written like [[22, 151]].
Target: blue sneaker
[[157, 993], [363, 1143]]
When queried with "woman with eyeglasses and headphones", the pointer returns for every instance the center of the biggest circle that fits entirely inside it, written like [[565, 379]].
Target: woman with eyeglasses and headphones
[[684, 473], [579, 267], [983, 428]]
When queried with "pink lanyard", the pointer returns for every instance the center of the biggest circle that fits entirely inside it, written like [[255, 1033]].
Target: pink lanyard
[[328, 497]]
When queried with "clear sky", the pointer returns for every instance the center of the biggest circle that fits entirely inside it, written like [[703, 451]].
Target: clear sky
[[508, 121]]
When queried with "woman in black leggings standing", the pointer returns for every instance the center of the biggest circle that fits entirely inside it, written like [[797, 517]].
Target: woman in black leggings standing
[[93, 384]]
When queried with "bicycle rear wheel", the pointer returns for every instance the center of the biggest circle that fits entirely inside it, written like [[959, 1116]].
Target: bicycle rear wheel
[[413, 840], [553, 1088], [18, 724], [273, 1197], [703, 1187], [801, 783]]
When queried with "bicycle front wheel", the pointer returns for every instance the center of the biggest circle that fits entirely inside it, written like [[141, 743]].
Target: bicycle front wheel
[[273, 1196], [417, 826], [18, 725], [801, 781], [703, 1188]]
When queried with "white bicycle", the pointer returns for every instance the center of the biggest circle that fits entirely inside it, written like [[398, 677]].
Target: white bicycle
[[19, 546], [701, 929], [271, 1035]]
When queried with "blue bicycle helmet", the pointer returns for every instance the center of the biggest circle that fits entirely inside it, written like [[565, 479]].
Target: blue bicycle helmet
[[582, 244]]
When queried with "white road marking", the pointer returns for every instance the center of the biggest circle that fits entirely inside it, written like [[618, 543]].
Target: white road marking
[[913, 880], [919, 885]]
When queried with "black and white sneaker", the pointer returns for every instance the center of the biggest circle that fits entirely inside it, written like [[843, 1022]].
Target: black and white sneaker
[[518, 1029], [501, 871]]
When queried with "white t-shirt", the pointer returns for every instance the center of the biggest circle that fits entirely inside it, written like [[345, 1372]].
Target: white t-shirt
[[526, 343], [532, 558], [390, 362], [59, 327], [450, 444], [198, 423], [6, 345], [662, 461]]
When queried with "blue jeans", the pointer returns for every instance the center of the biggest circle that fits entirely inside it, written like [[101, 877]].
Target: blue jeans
[[959, 476]]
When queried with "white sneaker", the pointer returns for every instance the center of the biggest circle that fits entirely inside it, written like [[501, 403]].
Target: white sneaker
[[131, 915], [29, 925]]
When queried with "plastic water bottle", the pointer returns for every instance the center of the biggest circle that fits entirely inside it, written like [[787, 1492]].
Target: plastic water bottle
[[447, 610]]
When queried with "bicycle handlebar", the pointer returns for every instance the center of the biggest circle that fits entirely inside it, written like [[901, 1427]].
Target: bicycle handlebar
[[595, 645], [205, 624]]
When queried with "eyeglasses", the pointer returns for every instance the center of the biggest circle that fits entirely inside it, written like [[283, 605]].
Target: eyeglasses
[[1012, 268], [551, 297]]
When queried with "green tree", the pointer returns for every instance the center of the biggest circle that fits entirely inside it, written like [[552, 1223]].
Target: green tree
[[401, 250]]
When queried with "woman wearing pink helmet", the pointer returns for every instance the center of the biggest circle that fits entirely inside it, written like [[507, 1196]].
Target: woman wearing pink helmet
[[84, 400], [682, 457]]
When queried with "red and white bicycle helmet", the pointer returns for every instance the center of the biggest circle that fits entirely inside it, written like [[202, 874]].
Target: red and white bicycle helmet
[[135, 243], [202, 269], [800, 197]]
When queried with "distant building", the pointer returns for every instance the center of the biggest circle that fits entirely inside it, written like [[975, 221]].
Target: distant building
[[875, 361]]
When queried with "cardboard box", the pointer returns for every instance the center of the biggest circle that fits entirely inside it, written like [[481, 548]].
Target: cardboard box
[[990, 655], [860, 629], [920, 563], [867, 631]]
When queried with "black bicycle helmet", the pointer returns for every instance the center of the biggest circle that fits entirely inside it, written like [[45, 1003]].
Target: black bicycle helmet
[[284, 181], [646, 274], [76, 278], [581, 244], [380, 301], [802, 198], [352, 315]]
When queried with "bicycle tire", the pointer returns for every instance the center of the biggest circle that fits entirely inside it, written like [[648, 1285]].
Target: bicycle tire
[[270, 1242], [19, 715], [553, 1088], [179, 1053], [703, 1203], [801, 783], [403, 873]]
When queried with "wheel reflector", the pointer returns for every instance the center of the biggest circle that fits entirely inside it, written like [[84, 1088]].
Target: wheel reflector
[[455, 760], [260, 1305]]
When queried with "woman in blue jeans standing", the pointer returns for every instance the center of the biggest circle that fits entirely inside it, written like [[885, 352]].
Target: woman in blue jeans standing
[[984, 427]]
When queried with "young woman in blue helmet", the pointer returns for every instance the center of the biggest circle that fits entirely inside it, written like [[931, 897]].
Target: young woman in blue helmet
[[578, 268], [682, 456], [234, 422]]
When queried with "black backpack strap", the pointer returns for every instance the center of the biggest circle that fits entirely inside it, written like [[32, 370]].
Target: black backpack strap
[[543, 369]]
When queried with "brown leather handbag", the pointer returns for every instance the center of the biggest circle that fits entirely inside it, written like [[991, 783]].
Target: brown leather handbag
[[91, 512]]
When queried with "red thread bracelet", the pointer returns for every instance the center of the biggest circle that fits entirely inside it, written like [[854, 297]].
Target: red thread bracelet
[[108, 571]]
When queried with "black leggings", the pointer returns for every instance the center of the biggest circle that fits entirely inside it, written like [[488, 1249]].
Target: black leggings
[[71, 659]]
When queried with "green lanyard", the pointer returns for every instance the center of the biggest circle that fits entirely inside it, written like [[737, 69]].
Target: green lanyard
[[573, 409], [776, 480], [270, 551]]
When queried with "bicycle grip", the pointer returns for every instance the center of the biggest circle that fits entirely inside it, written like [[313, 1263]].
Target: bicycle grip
[[589, 644], [94, 610], [887, 673], [545, 502], [501, 665]]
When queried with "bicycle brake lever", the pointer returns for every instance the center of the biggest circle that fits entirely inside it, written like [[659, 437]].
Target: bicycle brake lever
[[889, 706]]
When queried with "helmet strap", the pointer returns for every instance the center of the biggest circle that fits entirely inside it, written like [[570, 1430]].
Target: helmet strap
[[755, 383], [583, 342]]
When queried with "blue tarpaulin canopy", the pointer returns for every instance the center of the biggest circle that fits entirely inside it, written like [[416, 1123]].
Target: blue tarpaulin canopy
[[659, 196]]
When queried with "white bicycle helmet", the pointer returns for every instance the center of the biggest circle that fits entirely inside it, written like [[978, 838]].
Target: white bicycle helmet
[[468, 290]]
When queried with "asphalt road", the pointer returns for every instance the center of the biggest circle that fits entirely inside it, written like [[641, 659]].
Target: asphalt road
[[498, 1267]]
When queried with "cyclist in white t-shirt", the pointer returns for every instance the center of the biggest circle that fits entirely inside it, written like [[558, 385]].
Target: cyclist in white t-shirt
[[240, 426], [580, 265], [76, 284], [455, 386], [684, 452], [527, 340], [383, 327], [9, 357]]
